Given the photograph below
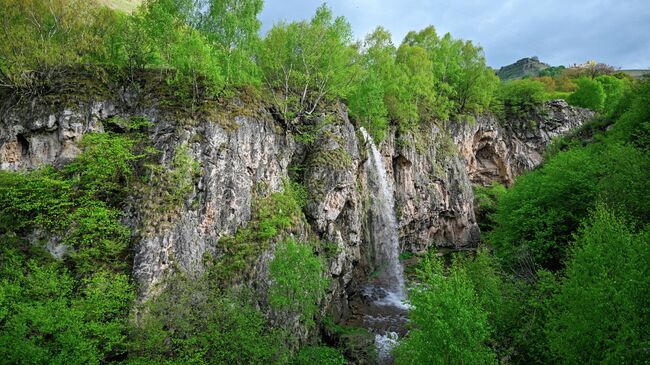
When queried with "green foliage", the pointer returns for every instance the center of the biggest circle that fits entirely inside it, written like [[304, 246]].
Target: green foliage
[[552, 71], [104, 167], [319, 355], [378, 86], [589, 312], [166, 188], [449, 323], [590, 94], [540, 213], [192, 321], [633, 124], [306, 63], [518, 99], [601, 310], [485, 203], [463, 82], [80, 203], [614, 89], [297, 281], [272, 215], [45, 35], [231, 26], [49, 317]]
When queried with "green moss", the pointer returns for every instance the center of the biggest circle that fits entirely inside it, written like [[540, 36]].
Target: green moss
[[273, 215], [335, 159], [165, 189]]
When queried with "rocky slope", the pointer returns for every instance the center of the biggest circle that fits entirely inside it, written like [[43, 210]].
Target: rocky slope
[[433, 174], [529, 66]]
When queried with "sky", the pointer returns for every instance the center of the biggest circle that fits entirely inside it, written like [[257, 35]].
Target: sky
[[559, 32]]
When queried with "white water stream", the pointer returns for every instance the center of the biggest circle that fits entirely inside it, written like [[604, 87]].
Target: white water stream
[[387, 291]]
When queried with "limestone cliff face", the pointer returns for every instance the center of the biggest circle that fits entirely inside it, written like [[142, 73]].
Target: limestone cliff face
[[500, 152], [433, 174]]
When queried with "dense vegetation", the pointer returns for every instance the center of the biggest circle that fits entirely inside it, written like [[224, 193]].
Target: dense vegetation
[[566, 238], [567, 281]]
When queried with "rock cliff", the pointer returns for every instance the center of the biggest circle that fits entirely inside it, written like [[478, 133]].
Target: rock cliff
[[433, 172]]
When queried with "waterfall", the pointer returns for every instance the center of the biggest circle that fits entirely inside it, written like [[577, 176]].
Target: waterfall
[[385, 309], [384, 227]]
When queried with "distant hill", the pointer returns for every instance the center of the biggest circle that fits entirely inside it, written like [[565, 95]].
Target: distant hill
[[637, 74], [529, 66]]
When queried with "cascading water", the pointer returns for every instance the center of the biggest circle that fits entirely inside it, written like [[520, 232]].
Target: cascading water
[[384, 225], [386, 310]]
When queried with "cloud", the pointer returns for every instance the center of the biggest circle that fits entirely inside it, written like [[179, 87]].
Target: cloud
[[557, 31]]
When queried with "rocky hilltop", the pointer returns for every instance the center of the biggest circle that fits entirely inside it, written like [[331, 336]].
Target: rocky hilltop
[[250, 153], [529, 66]]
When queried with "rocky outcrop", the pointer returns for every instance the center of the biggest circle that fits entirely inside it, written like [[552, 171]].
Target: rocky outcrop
[[530, 66], [498, 151], [35, 136], [253, 154]]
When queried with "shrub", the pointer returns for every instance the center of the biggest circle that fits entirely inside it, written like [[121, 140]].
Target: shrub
[[485, 203], [539, 214], [590, 94], [297, 281], [193, 321], [49, 317], [601, 309], [319, 355], [449, 323]]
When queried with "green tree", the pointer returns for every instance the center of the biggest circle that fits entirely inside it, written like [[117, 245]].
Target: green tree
[[306, 63], [449, 322], [590, 94], [232, 27], [614, 89], [600, 313], [297, 281], [518, 99], [540, 213], [377, 85]]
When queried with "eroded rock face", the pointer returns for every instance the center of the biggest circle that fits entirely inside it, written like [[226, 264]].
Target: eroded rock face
[[496, 152], [36, 136], [433, 176], [233, 163]]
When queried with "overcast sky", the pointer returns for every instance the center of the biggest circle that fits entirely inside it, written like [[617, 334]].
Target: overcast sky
[[559, 32]]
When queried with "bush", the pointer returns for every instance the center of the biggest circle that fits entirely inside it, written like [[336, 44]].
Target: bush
[[485, 203], [319, 355], [590, 94], [539, 214], [297, 281], [193, 321], [449, 322], [46, 316], [614, 89], [80, 203], [601, 309]]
